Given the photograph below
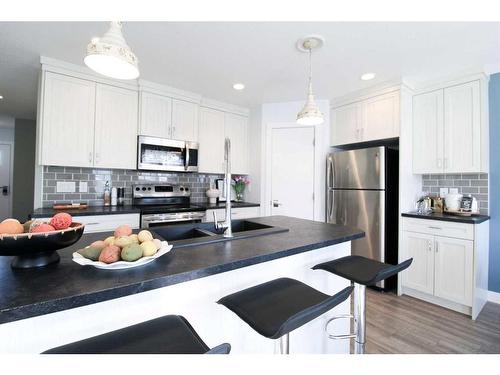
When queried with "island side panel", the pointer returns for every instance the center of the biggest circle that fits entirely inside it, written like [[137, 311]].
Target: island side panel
[[196, 300]]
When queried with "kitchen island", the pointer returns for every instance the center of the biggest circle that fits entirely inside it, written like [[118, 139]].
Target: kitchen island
[[62, 303]]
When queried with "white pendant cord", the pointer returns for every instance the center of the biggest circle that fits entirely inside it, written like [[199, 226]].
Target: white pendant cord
[[310, 71]]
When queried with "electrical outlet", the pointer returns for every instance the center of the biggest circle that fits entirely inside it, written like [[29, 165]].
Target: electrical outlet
[[65, 187], [453, 190], [83, 187], [443, 192]]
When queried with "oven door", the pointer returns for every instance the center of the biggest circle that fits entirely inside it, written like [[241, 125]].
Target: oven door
[[157, 220], [162, 154]]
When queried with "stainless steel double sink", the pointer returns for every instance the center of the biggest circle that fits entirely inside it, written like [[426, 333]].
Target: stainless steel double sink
[[182, 235]]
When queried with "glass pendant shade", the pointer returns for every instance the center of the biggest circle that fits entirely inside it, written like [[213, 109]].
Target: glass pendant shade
[[111, 56]]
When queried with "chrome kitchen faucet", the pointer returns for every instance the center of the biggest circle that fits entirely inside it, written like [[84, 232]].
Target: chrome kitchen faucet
[[226, 224]]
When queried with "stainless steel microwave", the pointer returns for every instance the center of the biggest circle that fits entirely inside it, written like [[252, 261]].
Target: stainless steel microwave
[[161, 154]]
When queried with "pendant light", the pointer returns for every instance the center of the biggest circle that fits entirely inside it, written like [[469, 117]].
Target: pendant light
[[111, 56], [310, 114]]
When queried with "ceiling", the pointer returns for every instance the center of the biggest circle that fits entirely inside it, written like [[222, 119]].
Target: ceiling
[[208, 57]]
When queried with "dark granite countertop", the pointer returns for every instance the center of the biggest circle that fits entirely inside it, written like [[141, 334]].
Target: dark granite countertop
[[126, 209], [66, 285], [90, 210], [475, 219]]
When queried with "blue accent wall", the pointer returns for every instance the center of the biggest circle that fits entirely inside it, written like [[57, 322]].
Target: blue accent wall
[[494, 263]]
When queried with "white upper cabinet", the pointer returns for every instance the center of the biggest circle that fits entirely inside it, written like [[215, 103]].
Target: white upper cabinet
[[211, 139], [346, 124], [381, 117], [450, 133], [116, 127], [156, 115], [236, 129], [370, 119], [462, 128], [67, 126], [184, 120], [428, 132]]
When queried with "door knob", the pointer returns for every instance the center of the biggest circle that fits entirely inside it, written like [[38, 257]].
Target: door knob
[[276, 203], [5, 190]]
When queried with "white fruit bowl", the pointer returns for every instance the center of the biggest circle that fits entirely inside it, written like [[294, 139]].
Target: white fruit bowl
[[120, 265]]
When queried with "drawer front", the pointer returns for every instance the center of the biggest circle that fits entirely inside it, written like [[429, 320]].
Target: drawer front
[[236, 213], [439, 228], [106, 223]]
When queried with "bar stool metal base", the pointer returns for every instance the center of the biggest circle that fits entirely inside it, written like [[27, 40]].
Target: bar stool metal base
[[282, 345], [359, 316]]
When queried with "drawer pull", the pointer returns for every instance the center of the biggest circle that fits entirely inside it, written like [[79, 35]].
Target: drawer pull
[[92, 224], [435, 228]]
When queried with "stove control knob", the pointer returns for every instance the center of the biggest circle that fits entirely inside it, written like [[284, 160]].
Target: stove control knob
[[137, 189], [181, 188], [143, 189], [187, 189], [149, 188]]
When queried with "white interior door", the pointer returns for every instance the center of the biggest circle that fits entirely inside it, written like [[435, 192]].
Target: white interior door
[[5, 183], [292, 172]]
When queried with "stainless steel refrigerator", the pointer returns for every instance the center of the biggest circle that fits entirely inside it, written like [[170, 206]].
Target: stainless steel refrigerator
[[362, 191]]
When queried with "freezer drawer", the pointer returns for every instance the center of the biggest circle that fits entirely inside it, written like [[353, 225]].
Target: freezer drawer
[[362, 209]]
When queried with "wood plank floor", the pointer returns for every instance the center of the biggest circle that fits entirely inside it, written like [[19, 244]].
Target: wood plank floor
[[407, 325]]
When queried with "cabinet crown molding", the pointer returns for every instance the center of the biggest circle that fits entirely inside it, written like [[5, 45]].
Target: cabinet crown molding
[[370, 92], [169, 91], [78, 71], [225, 107], [449, 81]]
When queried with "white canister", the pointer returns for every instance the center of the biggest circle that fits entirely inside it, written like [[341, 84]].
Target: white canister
[[453, 201]]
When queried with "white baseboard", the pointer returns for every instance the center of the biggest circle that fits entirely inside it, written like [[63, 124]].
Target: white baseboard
[[493, 297]]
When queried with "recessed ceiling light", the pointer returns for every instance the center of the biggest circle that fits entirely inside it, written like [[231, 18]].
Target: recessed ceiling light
[[1, 97], [367, 76], [238, 86]]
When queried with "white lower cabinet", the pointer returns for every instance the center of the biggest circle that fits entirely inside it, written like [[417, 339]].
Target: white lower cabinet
[[444, 270], [420, 275], [453, 269]]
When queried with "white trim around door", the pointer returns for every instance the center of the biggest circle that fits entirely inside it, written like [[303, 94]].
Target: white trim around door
[[319, 167]]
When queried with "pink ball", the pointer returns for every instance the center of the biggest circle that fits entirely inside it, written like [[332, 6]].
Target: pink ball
[[123, 230], [43, 228], [61, 220]]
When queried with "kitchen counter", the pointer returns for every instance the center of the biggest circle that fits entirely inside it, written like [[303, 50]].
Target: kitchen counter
[[126, 209], [67, 285], [89, 211], [475, 219]]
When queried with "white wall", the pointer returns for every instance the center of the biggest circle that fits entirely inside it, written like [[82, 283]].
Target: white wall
[[285, 112], [254, 142], [6, 128]]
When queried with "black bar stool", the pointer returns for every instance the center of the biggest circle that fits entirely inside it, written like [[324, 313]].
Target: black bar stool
[[277, 307], [170, 334], [362, 272]]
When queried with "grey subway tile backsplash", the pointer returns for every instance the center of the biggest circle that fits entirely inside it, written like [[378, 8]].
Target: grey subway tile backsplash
[[475, 184], [96, 179]]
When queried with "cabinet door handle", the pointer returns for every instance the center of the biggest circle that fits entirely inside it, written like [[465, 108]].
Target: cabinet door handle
[[438, 162], [435, 228], [97, 157], [429, 244], [436, 247], [90, 157]]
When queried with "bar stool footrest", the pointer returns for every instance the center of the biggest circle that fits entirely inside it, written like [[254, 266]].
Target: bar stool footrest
[[340, 337]]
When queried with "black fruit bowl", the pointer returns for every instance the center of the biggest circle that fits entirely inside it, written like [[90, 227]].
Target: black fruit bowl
[[38, 249]]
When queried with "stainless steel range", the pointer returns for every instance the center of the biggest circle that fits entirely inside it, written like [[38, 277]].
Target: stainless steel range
[[165, 204]]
